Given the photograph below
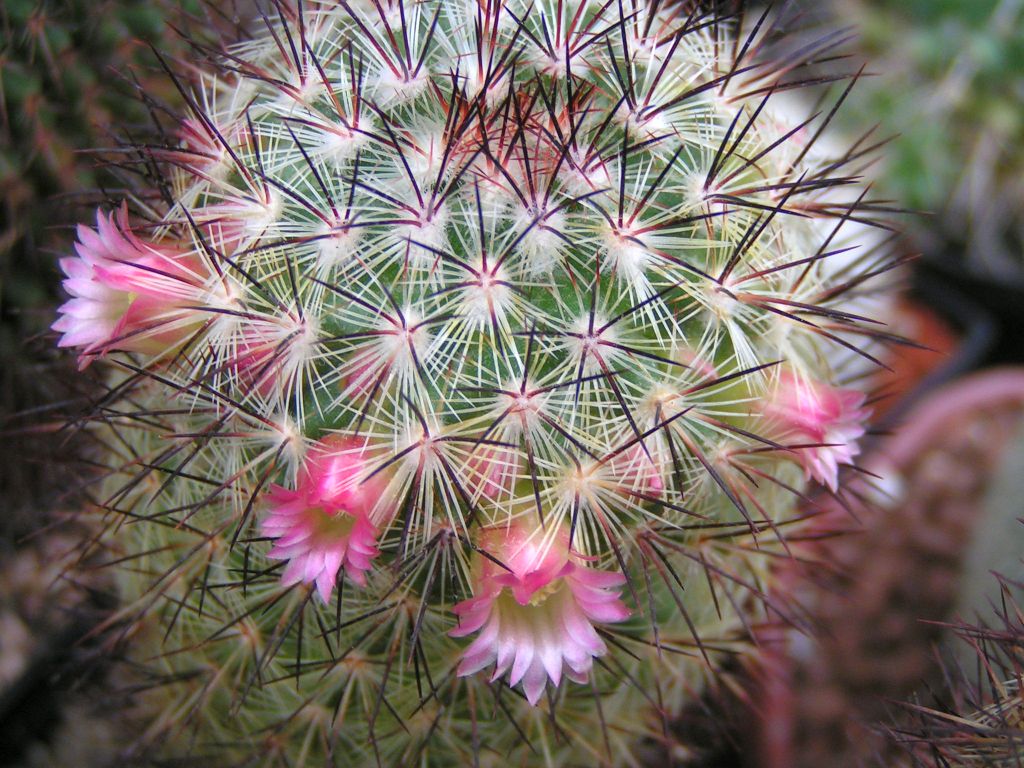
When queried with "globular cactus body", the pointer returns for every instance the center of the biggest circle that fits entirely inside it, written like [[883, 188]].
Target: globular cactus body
[[465, 376]]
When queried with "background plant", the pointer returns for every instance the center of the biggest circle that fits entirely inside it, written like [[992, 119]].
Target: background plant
[[953, 83]]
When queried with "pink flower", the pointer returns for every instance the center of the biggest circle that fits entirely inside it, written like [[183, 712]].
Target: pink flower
[[203, 146], [267, 353], [230, 225], [127, 293], [536, 615], [364, 372], [256, 361], [202, 151], [326, 524], [637, 470], [827, 421], [492, 471]]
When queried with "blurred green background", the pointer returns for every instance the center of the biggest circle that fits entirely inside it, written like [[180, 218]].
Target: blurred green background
[[949, 81]]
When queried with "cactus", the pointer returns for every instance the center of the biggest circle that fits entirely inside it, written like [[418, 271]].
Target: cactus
[[462, 386], [974, 714], [977, 717]]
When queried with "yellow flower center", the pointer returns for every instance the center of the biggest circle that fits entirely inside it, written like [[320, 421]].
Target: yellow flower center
[[332, 526], [545, 592]]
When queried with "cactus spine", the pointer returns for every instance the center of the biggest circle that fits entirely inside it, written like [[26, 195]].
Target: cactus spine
[[465, 375]]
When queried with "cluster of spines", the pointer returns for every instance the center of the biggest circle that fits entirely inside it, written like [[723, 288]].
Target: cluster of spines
[[975, 717], [551, 282]]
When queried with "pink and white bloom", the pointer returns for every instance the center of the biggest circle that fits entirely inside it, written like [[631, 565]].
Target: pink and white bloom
[[492, 471], [536, 615], [266, 353], [233, 223], [638, 470], [327, 523], [826, 421], [202, 151], [203, 146], [128, 293]]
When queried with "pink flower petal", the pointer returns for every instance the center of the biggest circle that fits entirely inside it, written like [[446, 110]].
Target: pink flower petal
[[537, 621], [322, 526], [822, 422], [128, 293], [533, 683]]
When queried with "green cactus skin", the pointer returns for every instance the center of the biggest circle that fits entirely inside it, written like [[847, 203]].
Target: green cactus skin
[[550, 263]]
